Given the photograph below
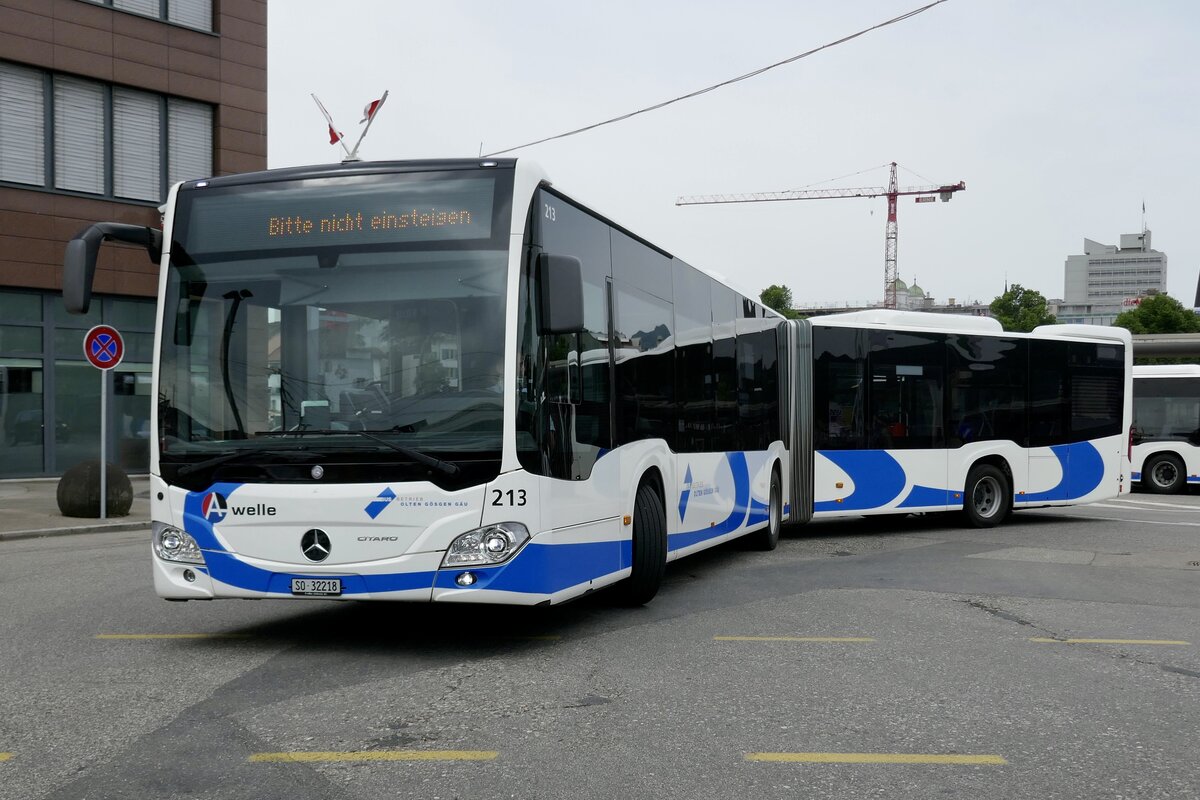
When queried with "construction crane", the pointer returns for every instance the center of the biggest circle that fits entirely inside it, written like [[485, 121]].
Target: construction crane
[[924, 194]]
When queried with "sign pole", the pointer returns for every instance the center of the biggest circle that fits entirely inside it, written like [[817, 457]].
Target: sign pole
[[104, 348], [103, 443]]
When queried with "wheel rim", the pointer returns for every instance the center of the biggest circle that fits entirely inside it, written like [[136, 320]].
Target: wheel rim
[[1164, 474], [986, 497]]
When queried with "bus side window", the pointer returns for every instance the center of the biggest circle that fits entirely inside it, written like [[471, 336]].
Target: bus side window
[[906, 389], [839, 396]]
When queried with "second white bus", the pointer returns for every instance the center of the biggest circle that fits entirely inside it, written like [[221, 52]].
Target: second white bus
[[1166, 427]]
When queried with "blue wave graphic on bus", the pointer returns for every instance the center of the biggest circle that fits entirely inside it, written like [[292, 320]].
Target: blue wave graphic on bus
[[1082, 470], [878, 479], [925, 496]]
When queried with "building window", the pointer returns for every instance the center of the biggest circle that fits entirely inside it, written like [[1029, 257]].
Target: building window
[[22, 125], [189, 140], [191, 13], [107, 140], [137, 145], [79, 141]]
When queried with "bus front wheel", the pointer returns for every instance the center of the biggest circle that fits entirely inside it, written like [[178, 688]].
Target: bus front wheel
[[1163, 474], [987, 498], [649, 548]]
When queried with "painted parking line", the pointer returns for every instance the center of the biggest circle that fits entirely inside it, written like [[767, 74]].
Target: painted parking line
[[5, 756], [1120, 503], [792, 639], [1174, 642], [374, 755], [876, 758], [173, 636]]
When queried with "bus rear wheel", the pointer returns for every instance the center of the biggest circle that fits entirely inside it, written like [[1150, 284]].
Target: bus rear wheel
[[649, 548], [987, 498], [1163, 474]]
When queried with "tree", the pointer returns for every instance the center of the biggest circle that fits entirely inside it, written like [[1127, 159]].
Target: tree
[[1159, 313], [778, 298], [1021, 309]]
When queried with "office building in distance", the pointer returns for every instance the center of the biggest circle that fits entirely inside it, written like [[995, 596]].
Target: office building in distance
[[1108, 279]]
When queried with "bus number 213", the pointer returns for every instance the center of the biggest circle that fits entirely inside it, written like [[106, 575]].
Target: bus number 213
[[510, 498]]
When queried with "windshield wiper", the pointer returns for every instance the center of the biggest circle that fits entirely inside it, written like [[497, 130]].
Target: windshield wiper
[[225, 458], [445, 467]]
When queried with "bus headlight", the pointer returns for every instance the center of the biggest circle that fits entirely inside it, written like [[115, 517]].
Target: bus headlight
[[172, 544], [492, 544]]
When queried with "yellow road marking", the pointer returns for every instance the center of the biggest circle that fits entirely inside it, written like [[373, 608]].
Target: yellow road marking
[[377, 755], [172, 636], [792, 639], [1112, 641], [5, 756], [875, 758]]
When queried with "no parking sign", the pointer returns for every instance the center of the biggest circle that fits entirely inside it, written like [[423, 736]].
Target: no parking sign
[[103, 347]]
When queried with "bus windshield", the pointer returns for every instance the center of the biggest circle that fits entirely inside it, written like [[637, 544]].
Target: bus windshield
[[331, 306]]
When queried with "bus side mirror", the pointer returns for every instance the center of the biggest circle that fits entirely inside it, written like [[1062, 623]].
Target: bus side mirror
[[559, 294], [79, 263]]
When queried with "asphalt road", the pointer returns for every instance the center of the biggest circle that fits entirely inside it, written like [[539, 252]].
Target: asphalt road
[[949, 650]]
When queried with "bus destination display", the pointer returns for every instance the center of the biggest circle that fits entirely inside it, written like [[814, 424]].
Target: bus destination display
[[292, 215]]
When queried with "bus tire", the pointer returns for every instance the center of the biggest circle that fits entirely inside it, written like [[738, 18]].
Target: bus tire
[[649, 560], [987, 497], [768, 537], [1163, 474]]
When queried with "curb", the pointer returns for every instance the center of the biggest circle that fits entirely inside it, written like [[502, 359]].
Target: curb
[[9, 536]]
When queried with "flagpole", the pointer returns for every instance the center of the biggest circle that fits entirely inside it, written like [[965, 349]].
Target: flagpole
[[333, 129], [353, 154]]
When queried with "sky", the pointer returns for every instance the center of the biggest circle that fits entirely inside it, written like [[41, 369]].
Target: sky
[[1063, 117]]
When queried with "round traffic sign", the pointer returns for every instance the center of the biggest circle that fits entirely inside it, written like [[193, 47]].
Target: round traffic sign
[[103, 347]]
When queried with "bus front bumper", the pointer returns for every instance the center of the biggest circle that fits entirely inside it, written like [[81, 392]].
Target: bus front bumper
[[538, 574]]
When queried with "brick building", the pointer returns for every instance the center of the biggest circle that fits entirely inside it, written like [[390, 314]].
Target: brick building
[[104, 104]]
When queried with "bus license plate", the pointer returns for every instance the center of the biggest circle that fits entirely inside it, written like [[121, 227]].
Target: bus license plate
[[317, 587]]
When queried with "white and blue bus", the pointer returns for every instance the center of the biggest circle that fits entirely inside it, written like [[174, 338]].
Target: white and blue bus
[[442, 381], [1166, 427], [448, 381]]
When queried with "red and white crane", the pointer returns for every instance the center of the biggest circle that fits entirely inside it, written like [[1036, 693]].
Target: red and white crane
[[893, 191]]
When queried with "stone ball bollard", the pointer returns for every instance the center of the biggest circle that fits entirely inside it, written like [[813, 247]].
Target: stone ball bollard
[[79, 491]]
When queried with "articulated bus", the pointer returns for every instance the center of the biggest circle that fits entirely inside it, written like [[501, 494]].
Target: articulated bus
[[1166, 427], [919, 412], [448, 381]]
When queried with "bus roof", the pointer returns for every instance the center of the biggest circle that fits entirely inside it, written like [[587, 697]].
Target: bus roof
[[1167, 371], [918, 320], [965, 323], [354, 168]]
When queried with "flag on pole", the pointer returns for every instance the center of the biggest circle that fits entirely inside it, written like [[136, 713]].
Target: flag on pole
[[335, 135], [372, 108]]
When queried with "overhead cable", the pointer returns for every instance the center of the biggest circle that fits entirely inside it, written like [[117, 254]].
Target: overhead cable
[[707, 89]]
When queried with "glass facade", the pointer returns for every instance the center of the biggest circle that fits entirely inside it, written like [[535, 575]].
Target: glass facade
[[50, 395]]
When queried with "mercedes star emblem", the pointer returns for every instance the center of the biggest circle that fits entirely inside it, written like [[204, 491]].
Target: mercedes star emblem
[[315, 545]]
